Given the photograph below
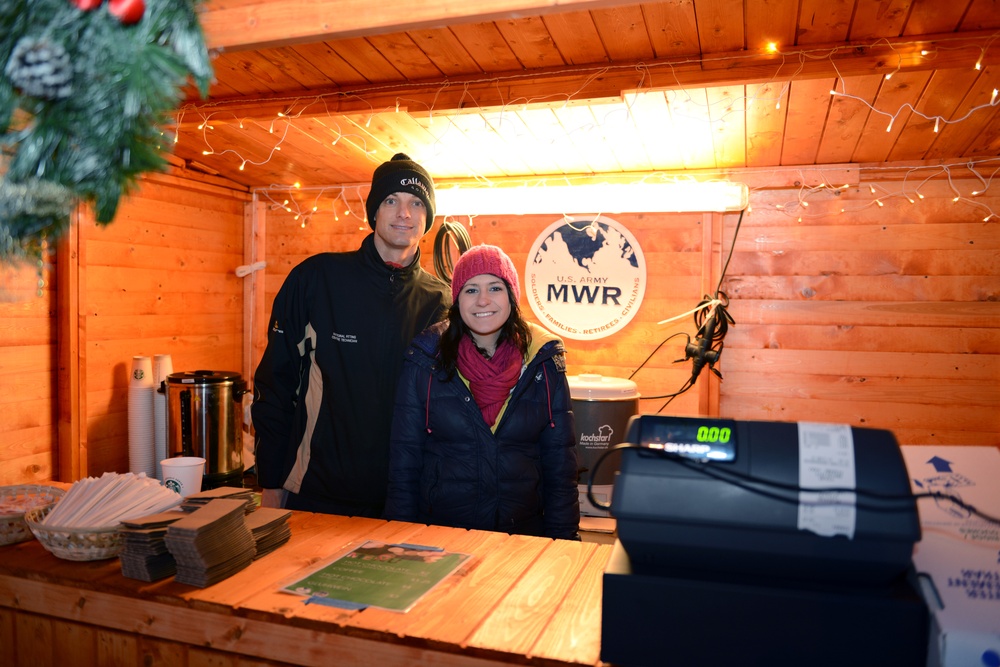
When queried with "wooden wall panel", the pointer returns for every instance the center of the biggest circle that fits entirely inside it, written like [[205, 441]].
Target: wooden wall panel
[[160, 280], [880, 316], [671, 244], [45, 641], [27, 373]]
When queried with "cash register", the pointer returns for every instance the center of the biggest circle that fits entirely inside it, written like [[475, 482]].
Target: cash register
[[761, 543]]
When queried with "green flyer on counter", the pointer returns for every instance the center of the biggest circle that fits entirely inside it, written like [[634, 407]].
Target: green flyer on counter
[[378, 574]]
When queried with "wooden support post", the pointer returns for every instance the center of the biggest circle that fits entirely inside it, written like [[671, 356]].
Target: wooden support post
[[71, 447], [254, 308], [712, 228]]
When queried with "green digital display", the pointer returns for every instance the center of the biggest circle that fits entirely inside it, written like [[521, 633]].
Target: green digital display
[[714, 434], [696, 438]]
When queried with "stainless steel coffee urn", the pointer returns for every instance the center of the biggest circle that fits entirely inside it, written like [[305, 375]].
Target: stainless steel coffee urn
[[205, 418]]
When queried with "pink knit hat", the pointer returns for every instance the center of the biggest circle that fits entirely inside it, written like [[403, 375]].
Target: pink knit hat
[[484, 259]]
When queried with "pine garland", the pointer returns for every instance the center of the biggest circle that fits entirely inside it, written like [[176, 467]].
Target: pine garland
[[87, 89]]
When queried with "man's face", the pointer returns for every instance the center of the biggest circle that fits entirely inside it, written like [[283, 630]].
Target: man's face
[[400, 221]]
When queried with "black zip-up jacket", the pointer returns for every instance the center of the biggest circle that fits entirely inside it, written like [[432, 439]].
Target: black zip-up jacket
[[448, 467], [324, 388]]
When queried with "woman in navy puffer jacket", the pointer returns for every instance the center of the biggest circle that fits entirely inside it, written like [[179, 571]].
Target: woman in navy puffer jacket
[[483, 433]]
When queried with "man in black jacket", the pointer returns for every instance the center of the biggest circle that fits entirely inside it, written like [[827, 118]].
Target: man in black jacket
[[324, 388]]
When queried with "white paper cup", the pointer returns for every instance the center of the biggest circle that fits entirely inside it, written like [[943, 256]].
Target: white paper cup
[[141, 373], [183, 474], [163, 366]]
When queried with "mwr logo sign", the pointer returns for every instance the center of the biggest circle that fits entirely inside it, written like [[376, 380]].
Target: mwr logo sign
[[585, 277]]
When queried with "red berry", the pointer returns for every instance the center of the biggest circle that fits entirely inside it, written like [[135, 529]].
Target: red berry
[[127, 11]]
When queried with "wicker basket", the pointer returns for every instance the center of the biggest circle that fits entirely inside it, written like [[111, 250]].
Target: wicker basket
[[75, 543], [25, 497]]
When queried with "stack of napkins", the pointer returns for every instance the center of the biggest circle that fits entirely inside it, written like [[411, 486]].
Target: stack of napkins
[[270, 529], [211, 543], [196, 500], [144, 553]]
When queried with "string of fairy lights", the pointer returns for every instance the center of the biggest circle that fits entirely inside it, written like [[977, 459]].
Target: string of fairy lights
[[982, 170], [346, 201]]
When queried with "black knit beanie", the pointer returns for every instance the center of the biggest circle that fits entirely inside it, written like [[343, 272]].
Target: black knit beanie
[[400, 174]]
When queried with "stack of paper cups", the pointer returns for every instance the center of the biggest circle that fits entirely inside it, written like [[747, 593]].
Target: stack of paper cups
[[163, 366], [141, 454]]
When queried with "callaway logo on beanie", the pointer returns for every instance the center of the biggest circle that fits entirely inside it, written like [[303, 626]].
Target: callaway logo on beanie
[[400, 174], [481, 259]]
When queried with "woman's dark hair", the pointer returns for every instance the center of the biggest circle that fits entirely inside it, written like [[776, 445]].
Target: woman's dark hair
[[515, 329]]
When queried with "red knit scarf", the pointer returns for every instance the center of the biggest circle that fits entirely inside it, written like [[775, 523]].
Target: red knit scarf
[[490, 380]]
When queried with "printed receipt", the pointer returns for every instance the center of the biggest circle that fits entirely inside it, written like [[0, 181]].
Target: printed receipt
[[826, 461]]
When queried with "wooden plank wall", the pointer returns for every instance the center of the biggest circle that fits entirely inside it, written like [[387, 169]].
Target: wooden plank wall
[[45, 641], [27, 373], [159, 280], [879, 316], [883, 316], [672, 246]]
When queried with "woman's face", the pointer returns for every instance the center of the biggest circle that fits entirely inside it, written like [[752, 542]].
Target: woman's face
[[484, 304]]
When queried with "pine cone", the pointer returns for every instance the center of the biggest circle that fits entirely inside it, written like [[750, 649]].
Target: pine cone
[[40, 68]]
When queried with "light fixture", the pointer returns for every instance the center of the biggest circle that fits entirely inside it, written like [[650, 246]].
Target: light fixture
[[641, 197]]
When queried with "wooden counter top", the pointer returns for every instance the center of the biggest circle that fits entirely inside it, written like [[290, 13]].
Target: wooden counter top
[[519, 600]]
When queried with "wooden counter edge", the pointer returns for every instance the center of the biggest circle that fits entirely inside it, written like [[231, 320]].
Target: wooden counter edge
[[228, 633]]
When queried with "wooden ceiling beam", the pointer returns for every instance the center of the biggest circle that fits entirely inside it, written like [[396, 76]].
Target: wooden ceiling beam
[[235, 25], [586, 84]]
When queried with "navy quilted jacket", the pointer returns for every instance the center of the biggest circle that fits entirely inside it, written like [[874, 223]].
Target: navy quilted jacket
[[447, 467]]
